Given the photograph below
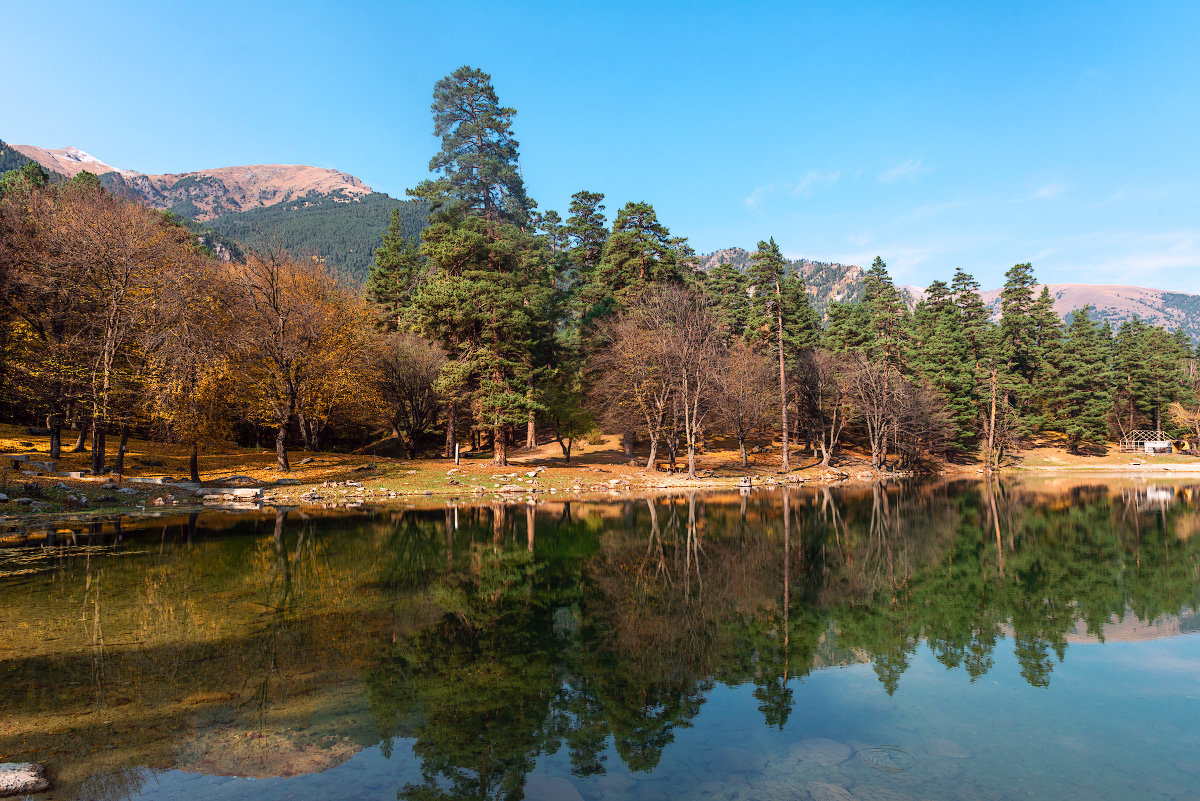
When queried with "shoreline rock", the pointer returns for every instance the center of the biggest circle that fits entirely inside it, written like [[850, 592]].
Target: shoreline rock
[[22, 778]]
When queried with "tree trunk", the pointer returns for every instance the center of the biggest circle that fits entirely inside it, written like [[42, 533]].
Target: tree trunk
[[281, 454], [742, 447], [499, 446], [194, 462], [991, 437], [122, 449], [451, 430], [97, 449], [565, 444], [627, 441], [55, 441], [653, 453], [80, 441], [785, 466], [530, 426]]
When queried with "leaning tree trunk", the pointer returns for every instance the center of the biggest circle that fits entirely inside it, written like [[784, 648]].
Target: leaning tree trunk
[[80, 441], [653, 452]]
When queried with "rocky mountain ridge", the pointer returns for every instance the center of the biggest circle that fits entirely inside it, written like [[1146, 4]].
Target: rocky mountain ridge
[[827, 282], [203, 195]]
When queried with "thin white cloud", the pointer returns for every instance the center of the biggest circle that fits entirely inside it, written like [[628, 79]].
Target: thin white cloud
[[904, 171], [933, 209], [1049, 191], [812, 180], [805, 188], [1116, 197], [758, 194]]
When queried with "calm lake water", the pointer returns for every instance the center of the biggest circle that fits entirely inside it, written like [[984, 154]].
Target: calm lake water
[[913, 641]]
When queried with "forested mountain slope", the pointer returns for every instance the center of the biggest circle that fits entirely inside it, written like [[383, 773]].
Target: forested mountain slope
[[343, 231], [306, 210]]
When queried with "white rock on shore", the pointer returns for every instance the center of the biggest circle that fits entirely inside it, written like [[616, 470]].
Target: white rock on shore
[[22, 778]]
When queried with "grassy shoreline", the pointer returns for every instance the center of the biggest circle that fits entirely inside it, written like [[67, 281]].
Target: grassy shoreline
[[599, 470]]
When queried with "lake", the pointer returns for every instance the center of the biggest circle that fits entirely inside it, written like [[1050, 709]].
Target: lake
[[942, 640]]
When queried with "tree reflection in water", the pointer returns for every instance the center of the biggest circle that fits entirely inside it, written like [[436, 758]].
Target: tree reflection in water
[[486, 637]]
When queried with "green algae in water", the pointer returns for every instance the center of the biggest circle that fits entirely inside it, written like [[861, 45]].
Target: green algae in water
[[951, 640]]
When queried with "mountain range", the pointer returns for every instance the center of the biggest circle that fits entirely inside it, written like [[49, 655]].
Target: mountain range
[[320, 211], [307, 210]]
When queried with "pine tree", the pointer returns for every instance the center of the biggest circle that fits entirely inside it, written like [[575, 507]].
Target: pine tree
[[972, 313], [489, 297], [395, 273], [1047, 354], [768, 275], [587, 230], [729, 288], [887, 313], [551, 226], [940, 355], [637, 255], [478, 160], [1084, 383], [847, 327], [1017, 322]]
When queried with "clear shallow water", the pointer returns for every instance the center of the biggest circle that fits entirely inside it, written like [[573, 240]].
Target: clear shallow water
[[935, 641]]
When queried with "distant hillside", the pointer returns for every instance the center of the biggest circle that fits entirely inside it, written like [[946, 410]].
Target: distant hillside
[[826, 282], [1116, 304], [306, 210], [344, 231]]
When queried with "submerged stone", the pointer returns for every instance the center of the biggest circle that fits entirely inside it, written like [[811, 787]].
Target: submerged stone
[[21, 778], [821, 750]]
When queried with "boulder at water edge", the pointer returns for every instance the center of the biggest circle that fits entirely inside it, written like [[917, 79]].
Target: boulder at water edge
[[21, 778]]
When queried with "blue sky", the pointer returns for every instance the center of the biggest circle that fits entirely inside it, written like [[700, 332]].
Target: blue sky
[[935, 135]]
